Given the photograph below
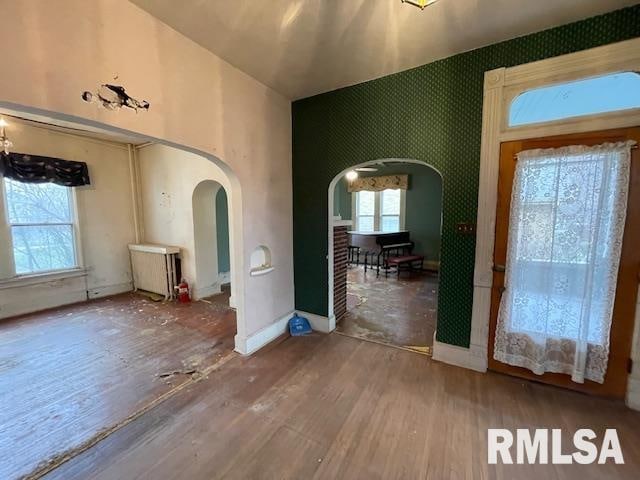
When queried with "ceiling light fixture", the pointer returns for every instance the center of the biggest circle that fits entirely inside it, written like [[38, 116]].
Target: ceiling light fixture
[[351, 175], [5, 143], [421, 4]]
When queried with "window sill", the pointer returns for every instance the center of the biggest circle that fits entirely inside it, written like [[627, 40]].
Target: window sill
[[38, 278]]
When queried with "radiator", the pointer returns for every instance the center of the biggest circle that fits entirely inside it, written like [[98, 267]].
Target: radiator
[[154, 268]]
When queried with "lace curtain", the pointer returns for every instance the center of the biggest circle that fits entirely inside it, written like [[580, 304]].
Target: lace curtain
[[568, 210]]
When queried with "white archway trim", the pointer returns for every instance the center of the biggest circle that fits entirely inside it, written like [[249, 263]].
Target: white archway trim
[[500, 87], [328, 324]]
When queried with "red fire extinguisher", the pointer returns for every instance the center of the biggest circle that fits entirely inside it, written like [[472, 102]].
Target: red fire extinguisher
[[183, 292]]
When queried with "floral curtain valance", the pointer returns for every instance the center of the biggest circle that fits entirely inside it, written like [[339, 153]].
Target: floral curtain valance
[[36, 169], [377, 184]]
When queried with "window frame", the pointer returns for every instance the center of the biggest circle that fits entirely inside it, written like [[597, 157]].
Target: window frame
[[75, 231], [356, 216], [377, 213], [589, 122], [516, 93]]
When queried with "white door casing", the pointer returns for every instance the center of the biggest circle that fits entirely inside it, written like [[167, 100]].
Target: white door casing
[[501, 86]]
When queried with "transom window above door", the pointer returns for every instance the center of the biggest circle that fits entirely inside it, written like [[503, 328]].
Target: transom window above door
[[379, 211], [589, 96]]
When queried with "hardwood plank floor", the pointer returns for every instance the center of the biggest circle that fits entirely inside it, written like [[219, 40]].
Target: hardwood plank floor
[[399, 312], [70, 373], [330, 406]]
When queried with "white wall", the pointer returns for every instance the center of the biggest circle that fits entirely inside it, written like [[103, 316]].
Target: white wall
[[168, 202], [60, 49], [104, 216]]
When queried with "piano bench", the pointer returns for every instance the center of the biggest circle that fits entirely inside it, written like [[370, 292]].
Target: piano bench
[[405, 261]]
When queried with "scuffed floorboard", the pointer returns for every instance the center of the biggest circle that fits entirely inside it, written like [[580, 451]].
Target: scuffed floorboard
[[71, 373], [329, 406], [399, 312]]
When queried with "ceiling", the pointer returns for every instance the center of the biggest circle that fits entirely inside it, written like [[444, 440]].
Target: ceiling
[[305, 47]]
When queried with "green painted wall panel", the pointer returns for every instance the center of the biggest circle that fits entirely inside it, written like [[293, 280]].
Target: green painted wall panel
[[222, 231], [431, 113], [342, 200]]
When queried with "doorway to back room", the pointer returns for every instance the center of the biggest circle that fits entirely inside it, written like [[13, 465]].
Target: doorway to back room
[[211, 243], [386, 219]]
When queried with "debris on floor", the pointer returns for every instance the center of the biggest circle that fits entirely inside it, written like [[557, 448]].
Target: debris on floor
[[398, 312], [420, 349], [190, 371], [150, 295]]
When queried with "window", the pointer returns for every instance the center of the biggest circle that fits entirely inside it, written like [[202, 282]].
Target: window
[[390, 210], [609, 93], [365, 211], [379, 211], [41, 219]]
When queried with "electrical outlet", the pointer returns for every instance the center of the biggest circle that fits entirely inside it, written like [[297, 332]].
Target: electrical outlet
[[466, 228]]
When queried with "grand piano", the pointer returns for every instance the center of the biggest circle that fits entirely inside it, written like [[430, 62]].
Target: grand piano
[[378, 246]]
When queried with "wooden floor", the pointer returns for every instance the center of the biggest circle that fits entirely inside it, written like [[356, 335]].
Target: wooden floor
[[399, 312], [70, 373], [330, 406]]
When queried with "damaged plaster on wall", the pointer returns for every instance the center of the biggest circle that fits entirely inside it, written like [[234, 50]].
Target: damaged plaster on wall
[[114, 97]]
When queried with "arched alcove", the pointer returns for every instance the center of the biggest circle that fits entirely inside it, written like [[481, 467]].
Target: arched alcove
[[260, 261]]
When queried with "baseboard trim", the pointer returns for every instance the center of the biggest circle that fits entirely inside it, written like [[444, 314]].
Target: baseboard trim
[[38, 304], [458, 356], [204, 292], [224, 277], [633, 393], [259, 339], [318, 322], [432, 265], [108, 290]]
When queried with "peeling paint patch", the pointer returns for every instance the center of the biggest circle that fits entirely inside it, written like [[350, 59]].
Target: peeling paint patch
[[114, 97]]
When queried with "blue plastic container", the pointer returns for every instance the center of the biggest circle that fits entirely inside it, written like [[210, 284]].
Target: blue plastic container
[[299, 326]]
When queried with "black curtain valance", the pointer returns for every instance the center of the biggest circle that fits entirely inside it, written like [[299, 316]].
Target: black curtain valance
[[36, 169]]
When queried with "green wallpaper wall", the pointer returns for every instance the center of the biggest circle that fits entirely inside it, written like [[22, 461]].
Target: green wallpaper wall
[[422, 208], [431, 113]]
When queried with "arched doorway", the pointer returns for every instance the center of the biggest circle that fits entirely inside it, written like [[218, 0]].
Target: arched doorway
[[211, 240], [225, 177], [374, 298]]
